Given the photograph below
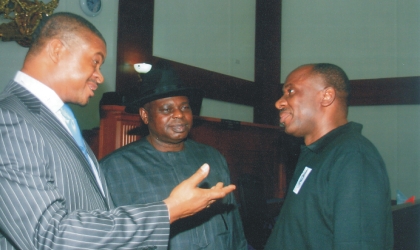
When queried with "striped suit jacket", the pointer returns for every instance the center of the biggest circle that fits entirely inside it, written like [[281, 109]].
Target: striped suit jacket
[[49, 198]]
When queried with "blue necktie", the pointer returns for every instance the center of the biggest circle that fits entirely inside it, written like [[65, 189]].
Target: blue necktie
[[74, 128], [77, 135]]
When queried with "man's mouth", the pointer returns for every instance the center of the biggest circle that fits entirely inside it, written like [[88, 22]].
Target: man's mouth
[[179, 128], [284, 114], [92, 86]]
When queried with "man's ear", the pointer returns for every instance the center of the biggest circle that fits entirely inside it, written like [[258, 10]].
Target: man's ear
[[144, 115], [328, 97], [55, 48]]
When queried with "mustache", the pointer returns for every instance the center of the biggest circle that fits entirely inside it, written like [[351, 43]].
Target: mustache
[[93, 80]]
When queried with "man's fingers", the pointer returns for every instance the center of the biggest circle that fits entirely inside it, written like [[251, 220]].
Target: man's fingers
[[187, 199], [199, 175], [218, 192], [229, 188], [218, 185]]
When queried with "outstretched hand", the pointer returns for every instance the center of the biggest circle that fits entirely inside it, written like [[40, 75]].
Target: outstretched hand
[[187, 199]]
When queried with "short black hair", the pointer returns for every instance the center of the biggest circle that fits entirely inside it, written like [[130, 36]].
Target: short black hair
[[334, 76], [62, 25]]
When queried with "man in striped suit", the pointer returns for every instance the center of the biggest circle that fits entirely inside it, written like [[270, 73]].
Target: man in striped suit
[[52, 195]]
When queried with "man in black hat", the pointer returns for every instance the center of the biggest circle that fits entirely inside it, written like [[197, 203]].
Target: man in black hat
[[147, 170]]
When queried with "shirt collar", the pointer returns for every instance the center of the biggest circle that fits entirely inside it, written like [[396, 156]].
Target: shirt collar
[[44, 93], [322, 142]]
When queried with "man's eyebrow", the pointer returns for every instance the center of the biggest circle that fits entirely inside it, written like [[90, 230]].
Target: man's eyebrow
[[103, 57], [287, 85]]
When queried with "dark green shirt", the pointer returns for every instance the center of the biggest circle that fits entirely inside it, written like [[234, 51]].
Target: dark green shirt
[[344, 202], [140, 174]]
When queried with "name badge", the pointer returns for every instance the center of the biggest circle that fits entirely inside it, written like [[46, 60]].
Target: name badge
[[302, 179]]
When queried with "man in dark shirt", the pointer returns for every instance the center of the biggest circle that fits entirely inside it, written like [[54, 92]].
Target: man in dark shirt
[[339, 196]]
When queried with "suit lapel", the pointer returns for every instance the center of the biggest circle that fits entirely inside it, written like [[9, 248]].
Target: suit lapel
[[40, 114]]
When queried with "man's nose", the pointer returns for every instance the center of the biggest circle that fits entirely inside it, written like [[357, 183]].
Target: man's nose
[[177, 113], [99, 77], [280, 103]]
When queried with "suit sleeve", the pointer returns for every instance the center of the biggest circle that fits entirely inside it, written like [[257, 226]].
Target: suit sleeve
[[37, 210]]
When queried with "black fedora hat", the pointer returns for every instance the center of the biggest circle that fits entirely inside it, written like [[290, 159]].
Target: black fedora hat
[[161, 82]]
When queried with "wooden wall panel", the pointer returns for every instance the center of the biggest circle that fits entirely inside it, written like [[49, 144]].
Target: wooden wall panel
[[385, 91]]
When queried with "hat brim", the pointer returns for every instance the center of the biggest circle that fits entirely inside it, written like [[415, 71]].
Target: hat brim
[[195, 97]]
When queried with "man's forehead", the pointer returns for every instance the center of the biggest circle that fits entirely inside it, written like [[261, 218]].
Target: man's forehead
[[300, 72], [293, 80], [303, 76]]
